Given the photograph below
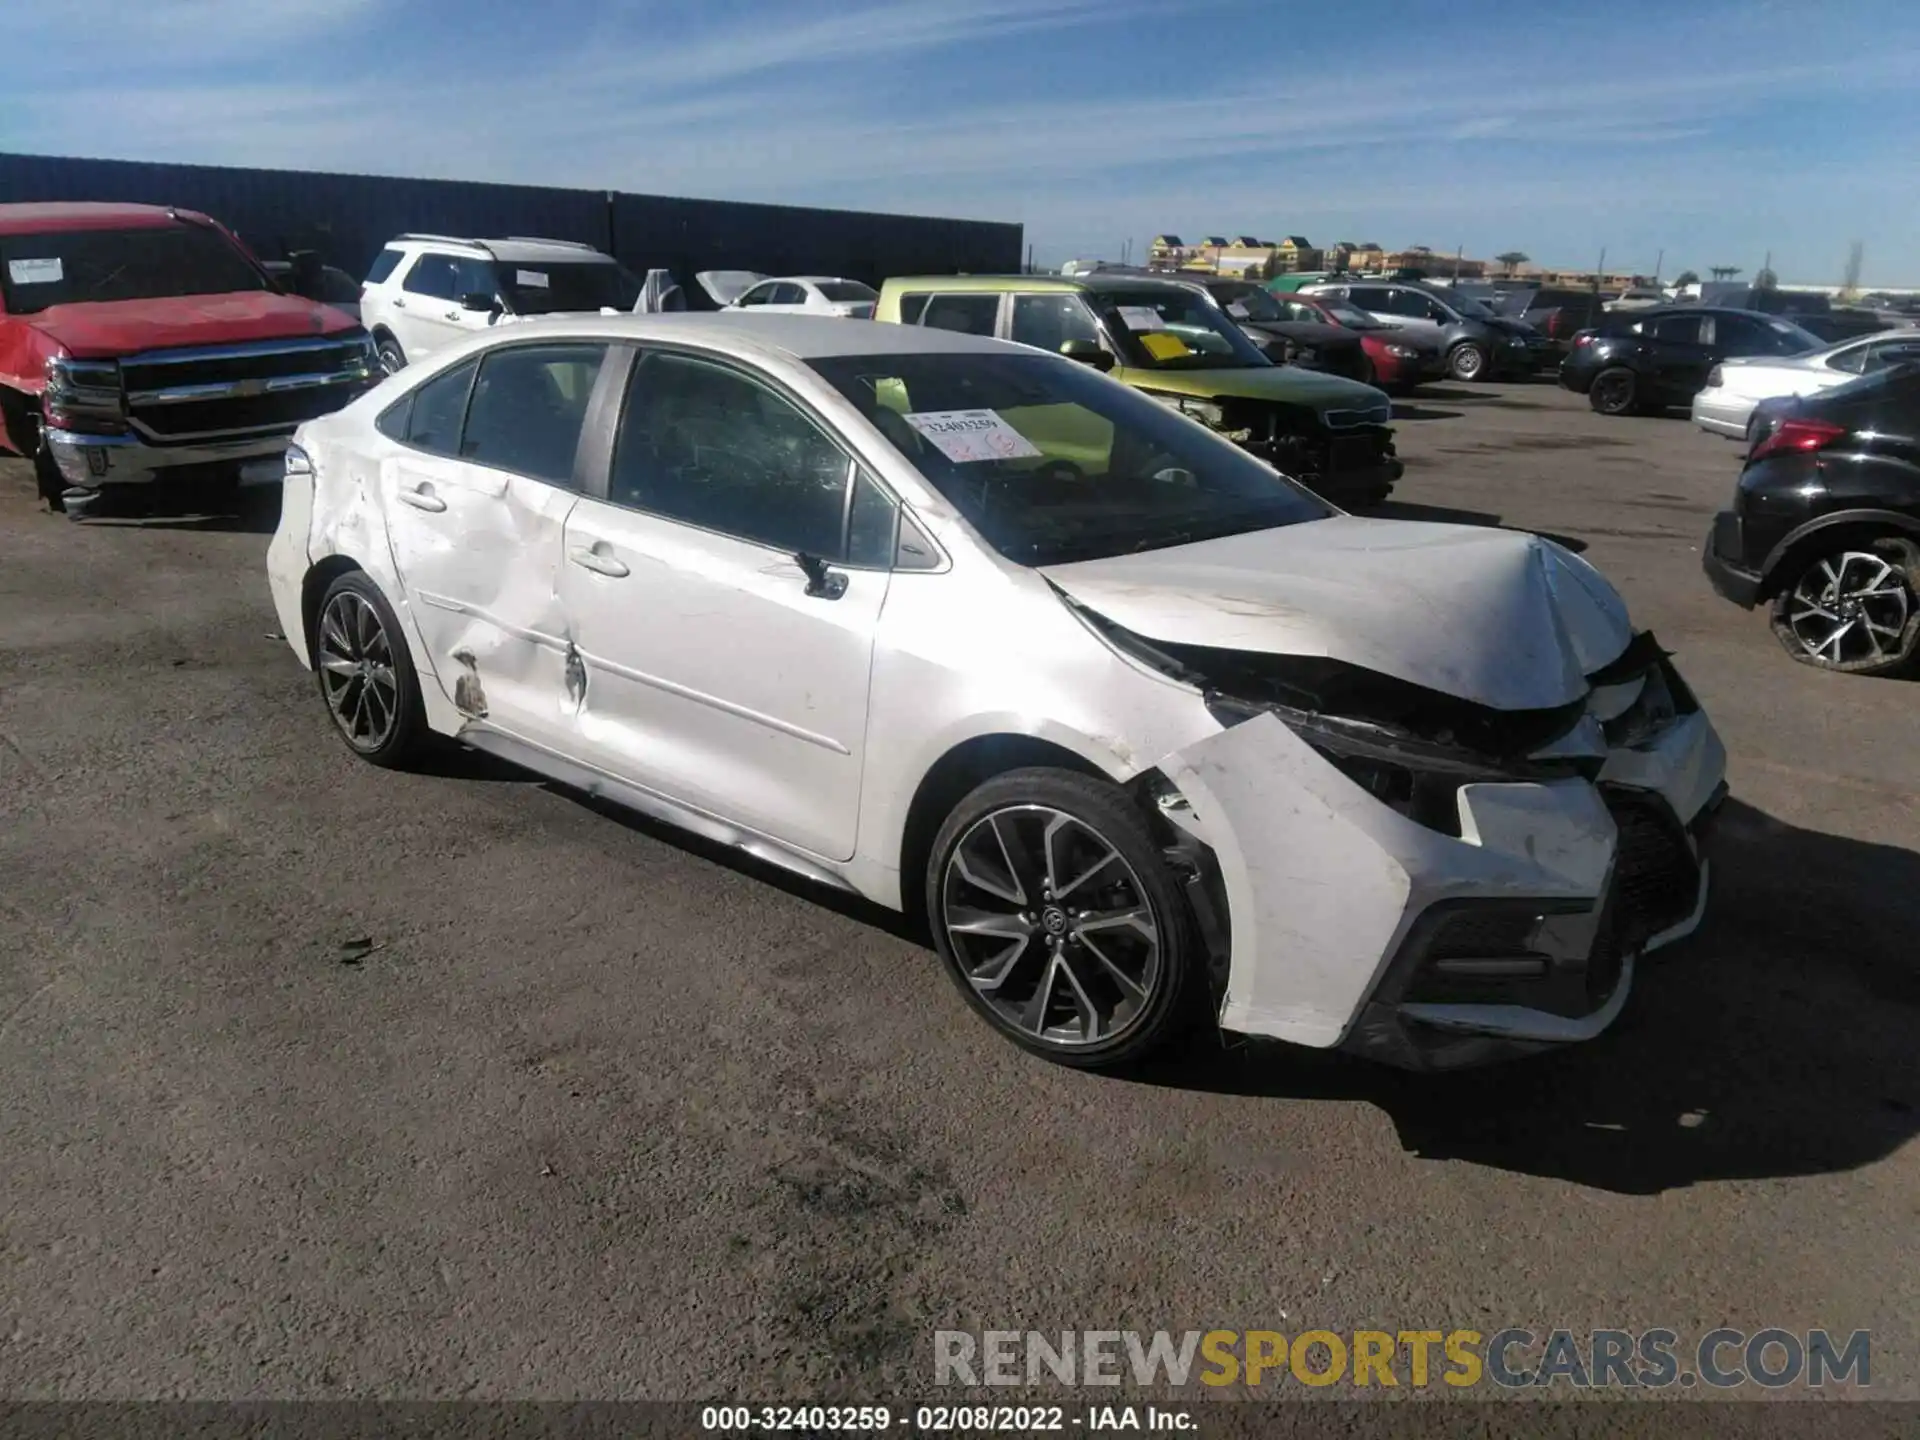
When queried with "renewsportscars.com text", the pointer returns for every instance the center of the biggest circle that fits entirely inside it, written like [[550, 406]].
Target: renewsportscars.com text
[[1384, 1359]]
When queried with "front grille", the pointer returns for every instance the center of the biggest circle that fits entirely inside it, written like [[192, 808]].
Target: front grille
[[238, 414], [213, 392], [1347, 419], [1655, 876], [269, 360]]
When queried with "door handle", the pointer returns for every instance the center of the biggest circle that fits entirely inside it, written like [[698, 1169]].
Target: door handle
[[399, 302], [589, 558], [422, 498], [452, 315]]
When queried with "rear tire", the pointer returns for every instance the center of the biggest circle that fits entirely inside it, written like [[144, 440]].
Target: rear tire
[[1853, 609], [365, 674], [1615, 391], [1057, 916]]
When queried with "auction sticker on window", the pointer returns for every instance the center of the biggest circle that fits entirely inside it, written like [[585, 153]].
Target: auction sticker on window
[[532, 279], [1142, 317], [35, 272], [967, 435]]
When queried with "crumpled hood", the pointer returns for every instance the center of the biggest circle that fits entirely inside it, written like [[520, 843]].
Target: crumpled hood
[[107, 328], [1287, 384], [1499, 617]]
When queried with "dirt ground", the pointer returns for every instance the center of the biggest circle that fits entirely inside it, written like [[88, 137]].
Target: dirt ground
[[321, 1081]]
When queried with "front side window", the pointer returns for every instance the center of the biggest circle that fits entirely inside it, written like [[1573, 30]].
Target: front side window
[[1048, 322], [969, 314], [1376, 298], [707, 446], [527, 409], [758, 295], [1175, 328], [473, 277], [439, 407], [1050, 462], [1853, 360], [148, 263], [431, 276]]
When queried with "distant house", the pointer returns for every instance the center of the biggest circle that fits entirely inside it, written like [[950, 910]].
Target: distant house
[[1296, 253], [1165, 250]]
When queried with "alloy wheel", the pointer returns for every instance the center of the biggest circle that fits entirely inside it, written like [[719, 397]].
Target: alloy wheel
[[1613, 392], [356, 671], [1051, 926], [1849, 608]]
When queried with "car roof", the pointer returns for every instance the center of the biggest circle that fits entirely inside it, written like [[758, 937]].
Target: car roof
[[522, 249], [41, 217], [799, 337], [996, 284]]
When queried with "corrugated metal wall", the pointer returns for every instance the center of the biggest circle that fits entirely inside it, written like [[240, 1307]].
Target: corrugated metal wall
[[348, 217]]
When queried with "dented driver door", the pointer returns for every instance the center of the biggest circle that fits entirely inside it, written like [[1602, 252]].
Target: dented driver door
[[477, 499]]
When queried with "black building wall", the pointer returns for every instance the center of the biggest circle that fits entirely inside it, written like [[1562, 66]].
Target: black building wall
[[347, 218]]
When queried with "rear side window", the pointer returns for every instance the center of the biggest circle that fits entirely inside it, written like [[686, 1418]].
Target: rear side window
[[845, 291], [527, 409], [384, 264], [969, 314], [439, 407]]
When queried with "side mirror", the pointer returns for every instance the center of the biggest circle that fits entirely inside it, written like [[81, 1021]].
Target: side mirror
[[1088, 352], [304, 273], [479, 302]]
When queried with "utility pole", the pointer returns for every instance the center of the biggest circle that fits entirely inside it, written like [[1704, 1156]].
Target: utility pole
[[1458, 251], [1658, 261], [1599, 270]]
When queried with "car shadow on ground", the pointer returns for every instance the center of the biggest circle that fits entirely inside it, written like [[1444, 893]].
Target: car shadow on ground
[[1404, 411], [1777, 1042], [1446, 515]]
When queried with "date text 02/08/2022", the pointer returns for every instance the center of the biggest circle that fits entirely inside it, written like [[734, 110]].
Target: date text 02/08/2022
[[941, 1419]]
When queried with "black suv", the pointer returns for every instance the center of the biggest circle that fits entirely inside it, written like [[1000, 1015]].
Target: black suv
[[1825, 525], [1649, 359]]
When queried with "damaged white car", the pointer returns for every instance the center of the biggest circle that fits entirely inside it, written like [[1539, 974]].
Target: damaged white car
[[1144, 728]]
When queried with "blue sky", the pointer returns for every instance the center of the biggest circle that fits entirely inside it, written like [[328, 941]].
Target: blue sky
[[1716, 132]]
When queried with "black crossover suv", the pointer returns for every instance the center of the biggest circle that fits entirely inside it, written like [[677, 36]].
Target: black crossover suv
[[1825, 525]]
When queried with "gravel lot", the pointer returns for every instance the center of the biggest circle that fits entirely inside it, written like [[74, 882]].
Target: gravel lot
[[590, 1110]]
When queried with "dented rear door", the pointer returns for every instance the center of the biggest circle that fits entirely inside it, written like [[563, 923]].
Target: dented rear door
[[477, 540]]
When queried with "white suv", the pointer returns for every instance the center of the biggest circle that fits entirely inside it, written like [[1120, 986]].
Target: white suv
[[426, 292]]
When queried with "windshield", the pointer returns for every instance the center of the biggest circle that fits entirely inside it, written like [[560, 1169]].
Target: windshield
[[147, 263], [1464, 305], [838, 290], [1350, 316], [1175, 329], [1051, 462], [1252, 304], [547, 288], [1793, 336]]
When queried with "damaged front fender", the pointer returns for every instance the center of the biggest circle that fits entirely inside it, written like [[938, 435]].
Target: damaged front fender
[[1323, 883]]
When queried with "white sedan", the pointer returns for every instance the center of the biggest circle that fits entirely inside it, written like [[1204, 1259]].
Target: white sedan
[[1735, 386], [1139, 727], [789, 294]]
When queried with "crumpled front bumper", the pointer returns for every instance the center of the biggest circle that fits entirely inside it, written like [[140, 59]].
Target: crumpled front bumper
[[89, 462], [1353, 926]]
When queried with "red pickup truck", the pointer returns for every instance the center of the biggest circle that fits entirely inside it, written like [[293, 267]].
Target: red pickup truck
[[142, 346]]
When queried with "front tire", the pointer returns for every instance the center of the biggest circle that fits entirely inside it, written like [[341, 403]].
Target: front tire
[[365, 674], [1467, 361], [392, 358], [1615, 391], [1057, 917], [47, 478], [1853, 610]]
